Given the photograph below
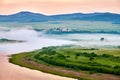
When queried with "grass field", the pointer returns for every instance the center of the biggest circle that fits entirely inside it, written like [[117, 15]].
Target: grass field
[[73, 62], [90, 26]]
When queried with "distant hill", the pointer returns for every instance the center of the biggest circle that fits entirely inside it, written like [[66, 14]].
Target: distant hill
[[36, 17], [112, 17], [24, 17]]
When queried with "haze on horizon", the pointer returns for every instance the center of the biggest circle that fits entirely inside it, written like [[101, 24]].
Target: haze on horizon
[[51, 7]]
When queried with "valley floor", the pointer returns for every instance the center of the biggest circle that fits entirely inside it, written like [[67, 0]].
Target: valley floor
[[26, 60]]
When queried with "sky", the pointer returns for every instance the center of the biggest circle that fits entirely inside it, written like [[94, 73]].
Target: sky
[[51, 7]]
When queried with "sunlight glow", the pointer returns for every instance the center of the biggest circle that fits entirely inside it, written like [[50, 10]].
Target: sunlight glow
[[59, 6]]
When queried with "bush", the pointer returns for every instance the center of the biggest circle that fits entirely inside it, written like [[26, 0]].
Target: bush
[[91, 58]]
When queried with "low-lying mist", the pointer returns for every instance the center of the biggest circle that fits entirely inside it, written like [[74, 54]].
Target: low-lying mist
[[34, 40], [38, 39], [90, 39]]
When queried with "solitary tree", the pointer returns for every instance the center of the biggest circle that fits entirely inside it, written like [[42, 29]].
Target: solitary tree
[[102, 39]]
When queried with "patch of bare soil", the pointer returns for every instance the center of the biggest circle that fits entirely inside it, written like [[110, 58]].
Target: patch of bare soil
[[96, 76]]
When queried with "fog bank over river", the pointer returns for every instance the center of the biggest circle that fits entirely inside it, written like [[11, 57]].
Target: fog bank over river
[[33, 40], [89, 39], [36, 40]]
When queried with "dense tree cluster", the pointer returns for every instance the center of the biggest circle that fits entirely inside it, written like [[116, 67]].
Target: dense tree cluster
[[52, 57]]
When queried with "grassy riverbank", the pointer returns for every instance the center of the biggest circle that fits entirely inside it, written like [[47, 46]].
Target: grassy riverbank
[[83, 64]]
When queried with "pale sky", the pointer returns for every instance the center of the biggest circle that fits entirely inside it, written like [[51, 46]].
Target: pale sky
[[51, 7]]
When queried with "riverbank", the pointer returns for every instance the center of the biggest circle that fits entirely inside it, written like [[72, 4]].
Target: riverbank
[[10, 71], [21, 59]]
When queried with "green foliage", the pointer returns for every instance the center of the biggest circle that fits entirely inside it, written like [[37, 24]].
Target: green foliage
[[93, 61], [73, 24], [107, 55], [87, 61], [60, 56], [118, 46], [91, 58]]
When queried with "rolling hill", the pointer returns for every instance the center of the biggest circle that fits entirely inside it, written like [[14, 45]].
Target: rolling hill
[[26, 16]]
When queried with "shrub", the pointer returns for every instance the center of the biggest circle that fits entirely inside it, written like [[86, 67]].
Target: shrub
[[91, 58]]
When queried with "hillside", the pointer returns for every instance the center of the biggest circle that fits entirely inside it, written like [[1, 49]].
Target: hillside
[[24, 17], [36, 17]]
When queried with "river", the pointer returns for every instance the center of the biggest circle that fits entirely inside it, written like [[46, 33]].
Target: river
[[36, 40]]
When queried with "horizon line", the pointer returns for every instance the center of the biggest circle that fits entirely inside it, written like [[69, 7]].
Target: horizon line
[[59, 13]]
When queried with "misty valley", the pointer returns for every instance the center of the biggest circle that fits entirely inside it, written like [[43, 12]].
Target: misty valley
[[59, 39], [78, 47]]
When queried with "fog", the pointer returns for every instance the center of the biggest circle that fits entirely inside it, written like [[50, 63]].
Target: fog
[[90, 39], [37, 40], [33, 39]]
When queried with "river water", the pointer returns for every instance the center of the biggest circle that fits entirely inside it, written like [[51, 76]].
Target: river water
[[9, 71], [36, 40]]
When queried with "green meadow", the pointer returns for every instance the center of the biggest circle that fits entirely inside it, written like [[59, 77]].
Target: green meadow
[[88, 26], [77, 60]]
